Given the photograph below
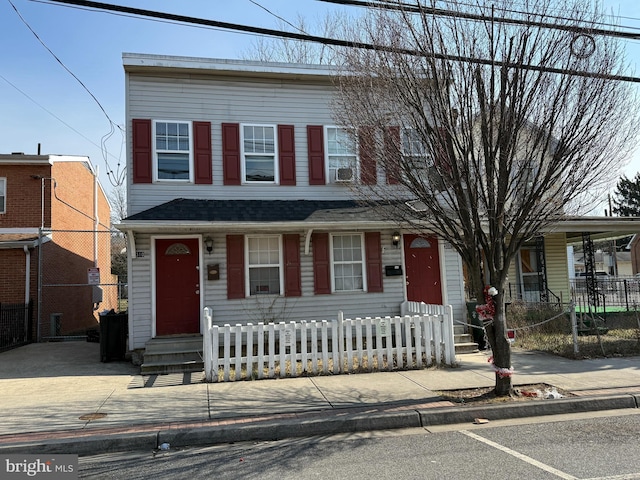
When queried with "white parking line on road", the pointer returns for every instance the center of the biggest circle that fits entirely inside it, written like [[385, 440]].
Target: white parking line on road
[[520, 456], [627, 476]]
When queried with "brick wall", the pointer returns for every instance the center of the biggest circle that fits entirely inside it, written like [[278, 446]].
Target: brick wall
[[23, 205]]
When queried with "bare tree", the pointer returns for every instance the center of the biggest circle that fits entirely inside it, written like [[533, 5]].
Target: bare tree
[[297, 51], [489, 131], [118, 203]]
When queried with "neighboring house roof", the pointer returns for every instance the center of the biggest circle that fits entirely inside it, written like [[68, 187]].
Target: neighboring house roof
[[256, 213], [20, 240]]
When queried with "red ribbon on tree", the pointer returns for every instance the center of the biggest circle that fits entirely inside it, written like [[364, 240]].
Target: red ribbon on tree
[[487, 311]]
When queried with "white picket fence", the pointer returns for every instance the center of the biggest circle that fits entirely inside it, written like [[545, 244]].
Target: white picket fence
[[257, 351]]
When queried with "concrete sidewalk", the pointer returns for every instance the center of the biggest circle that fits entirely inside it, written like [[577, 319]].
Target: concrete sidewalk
[[59, 398]]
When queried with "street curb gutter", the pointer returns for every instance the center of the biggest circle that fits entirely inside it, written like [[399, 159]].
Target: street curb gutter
[[300, 427], [92, 445], [337, 422], [528, 409]]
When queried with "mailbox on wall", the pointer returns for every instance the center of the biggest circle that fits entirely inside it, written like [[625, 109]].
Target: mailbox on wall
[[213, 272], [392, 270]]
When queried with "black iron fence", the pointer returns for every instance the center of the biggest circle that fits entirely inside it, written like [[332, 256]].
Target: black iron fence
[[620, 292], [16, 325]]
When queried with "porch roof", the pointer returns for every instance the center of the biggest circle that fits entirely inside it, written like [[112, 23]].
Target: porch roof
[[600, 228], [195, 213]]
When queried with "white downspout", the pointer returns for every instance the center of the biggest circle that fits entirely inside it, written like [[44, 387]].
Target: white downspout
[[95, 216]]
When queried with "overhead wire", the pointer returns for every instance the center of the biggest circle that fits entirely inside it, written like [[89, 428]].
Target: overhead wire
[[341, 42], [119, 174]]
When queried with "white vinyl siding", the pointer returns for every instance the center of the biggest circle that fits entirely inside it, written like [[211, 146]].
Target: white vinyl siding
[[226, 100], [266, 308]]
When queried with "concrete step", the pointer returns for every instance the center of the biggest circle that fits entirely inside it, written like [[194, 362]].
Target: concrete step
[[462, 338], [174, 354], [171, 367], [177, 343], [467, 347]]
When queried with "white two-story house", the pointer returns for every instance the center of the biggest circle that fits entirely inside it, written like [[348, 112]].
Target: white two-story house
[[239, 199]]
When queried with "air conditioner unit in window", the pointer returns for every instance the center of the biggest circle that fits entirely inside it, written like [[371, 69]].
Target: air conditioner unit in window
[[344, 174]]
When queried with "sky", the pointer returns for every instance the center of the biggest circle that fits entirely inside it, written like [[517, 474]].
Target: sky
[[42, 103]]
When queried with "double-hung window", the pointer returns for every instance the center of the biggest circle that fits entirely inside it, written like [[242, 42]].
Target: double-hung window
[[414, 150], [264, 255], [172, 141], [259, 153], [342, 158], [348, 262], [3, 195]]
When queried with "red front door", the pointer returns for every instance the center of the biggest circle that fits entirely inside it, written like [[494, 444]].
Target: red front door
[[422, 264], [177, 286]]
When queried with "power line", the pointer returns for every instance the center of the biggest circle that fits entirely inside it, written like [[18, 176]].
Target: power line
[[439, 12], [337, 42], [60, 61], [118, 178]]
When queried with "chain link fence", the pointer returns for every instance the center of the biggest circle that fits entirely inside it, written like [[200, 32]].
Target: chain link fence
[[76, 281]]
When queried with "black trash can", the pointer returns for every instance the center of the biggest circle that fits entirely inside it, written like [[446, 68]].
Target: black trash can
[[477, 330], [113, 336]]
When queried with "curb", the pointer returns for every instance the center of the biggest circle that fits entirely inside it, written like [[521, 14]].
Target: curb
[[529, 409], [344, 422]]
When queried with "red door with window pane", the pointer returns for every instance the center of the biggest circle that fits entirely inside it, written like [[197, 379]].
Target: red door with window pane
[[422, 264], [177, 286]]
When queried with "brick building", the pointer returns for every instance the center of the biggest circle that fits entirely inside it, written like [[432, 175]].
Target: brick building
[[60, 196]]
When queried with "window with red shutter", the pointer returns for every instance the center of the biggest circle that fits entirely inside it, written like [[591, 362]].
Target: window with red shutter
[[235, 266], [202, 152], [366, 143], [321, 263], [287, 154], [373, 252], [142, 151], [231, 153], [393, 154], [315, 150], [292, 280]]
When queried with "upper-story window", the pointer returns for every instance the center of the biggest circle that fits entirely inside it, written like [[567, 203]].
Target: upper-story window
[[342, 157], [348, 267], [264, 254], [259, 153], [413, 149], [3, 195], [173, 150]]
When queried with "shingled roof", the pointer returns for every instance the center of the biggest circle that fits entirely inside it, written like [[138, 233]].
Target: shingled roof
[[182, 209]]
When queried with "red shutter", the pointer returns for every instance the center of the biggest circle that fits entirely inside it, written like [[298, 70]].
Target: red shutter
[[231, 153], [235, 266], [321, 266], [367, 153], [141, 133], [392, 154], [373, 252], [441, 160], [315, 149], [287, 154], [292, 280], [202, 152]]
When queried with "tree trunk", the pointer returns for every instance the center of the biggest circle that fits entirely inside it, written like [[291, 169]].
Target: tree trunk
[[501, 349]]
